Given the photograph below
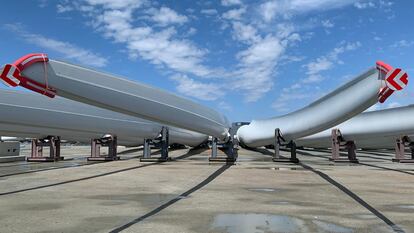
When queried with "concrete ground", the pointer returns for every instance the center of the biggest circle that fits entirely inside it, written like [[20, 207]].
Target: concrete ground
[[191, 195]]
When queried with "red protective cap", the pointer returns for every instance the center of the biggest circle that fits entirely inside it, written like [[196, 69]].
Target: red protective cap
[[12, 74], [395, 80], [383, 69]]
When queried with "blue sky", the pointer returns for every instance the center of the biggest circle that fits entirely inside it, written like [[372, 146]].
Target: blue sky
[[247, 59]]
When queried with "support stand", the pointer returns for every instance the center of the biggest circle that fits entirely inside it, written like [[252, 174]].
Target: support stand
[[229, 150], [108, 141], [37, 150], [277, 143], [147, 148], [164, 142], [400, 146], [350, 146]]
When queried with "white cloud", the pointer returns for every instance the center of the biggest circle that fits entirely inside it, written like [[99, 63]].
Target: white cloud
[[245, 33], [266, 49], [385, 3], [191, 31], [231, 2], [255, 72], [61, 8], [286, 8], [234, 14], [66, 49], [327, 24], [320, 64], [371, 4], [199, 90], [269, 10], [42, 3], [284, 99], [116, 4], [403, 44], [225, 106], [209, 11], [364, 5], [166, 16], [116, 21], [327, 62], [257, 64]]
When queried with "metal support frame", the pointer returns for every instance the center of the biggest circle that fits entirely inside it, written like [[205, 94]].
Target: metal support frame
[[106, 141], [400, 145], [53, 142], [214, 148], [279, 141], [147, 148], [228, 149], [350, 147], [164, 144]]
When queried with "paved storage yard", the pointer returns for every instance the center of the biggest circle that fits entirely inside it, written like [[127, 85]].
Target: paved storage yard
[[191, 195]]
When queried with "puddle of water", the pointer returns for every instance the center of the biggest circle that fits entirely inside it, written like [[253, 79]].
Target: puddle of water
[[260, 223], [330, 227], [263, 190], [406, 206]]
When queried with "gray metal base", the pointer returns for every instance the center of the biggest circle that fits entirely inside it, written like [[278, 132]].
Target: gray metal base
[[344, 160], [6, 159], [403, 160], [155, 159], [44, 159], [285, 160], [103, 158]]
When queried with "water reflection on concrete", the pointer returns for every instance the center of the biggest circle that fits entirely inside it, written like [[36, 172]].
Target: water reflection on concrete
[[240, 223], [261, 223], [330, 227], [263, 189], [280, 203], [406, 206]]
